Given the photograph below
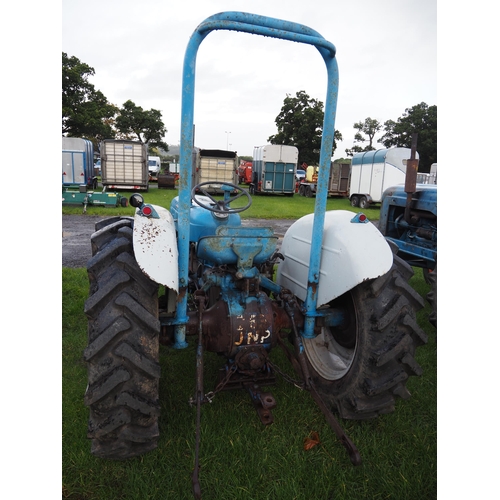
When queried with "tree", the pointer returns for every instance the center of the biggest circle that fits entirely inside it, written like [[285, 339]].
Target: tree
[[300, 124], [369, 127], [85, 111], [146, 126], [420, 119]]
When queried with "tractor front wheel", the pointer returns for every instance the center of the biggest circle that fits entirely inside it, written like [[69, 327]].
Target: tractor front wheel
[[361, 368], [123, 347]]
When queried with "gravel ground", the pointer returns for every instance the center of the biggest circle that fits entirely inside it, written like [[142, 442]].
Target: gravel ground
[[77, 230]]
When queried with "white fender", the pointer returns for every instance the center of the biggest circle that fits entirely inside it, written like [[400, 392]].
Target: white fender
[[155, 247], [351, 253]]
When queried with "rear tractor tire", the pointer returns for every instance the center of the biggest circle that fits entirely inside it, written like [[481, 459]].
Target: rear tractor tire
[[432, 296], [123, 347], [362, 369]]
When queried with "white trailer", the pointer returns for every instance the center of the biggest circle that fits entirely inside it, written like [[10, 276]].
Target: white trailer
[[372, 172]]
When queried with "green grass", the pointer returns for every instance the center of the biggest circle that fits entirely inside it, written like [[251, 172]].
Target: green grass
[[241, 458], [263, 206]]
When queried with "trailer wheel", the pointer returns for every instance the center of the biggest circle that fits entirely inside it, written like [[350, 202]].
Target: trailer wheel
[[308, 192], [361, 369], [122, 355], [301, 190], [354, 201], [363, 202]]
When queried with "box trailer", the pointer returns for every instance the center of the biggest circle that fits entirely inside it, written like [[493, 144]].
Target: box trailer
[[215, 165], [124, 165], [274, 167], [78, 163], [372, 172], [338, 181]]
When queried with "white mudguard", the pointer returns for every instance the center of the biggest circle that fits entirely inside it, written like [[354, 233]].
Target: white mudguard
[[155, 247], [351, 253]]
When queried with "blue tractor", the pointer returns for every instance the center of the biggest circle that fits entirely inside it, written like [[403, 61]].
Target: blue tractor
[[334, 296], [408, 219]]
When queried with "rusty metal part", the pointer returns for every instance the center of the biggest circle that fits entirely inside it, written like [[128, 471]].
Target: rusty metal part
[[411, 176], [199, 396], [238, 380], [226, 333], [217, 324], [303, 370], [251, 360], [263, 402]]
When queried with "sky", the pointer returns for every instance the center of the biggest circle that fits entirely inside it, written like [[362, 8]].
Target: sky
[[386, 53]]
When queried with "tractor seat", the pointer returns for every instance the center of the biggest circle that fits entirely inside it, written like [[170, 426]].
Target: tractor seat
[[243, 246]]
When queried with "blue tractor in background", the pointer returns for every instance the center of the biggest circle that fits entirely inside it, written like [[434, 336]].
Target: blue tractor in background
[[408, 219]]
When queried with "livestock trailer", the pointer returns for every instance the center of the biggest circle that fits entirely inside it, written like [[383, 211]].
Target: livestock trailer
[[124, 165], [215, 165], [372, 172], [274, 168], [78, 163]]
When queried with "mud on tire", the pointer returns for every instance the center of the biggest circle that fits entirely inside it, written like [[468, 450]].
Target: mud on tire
[[362, 369], [432, 296], [123, 346]]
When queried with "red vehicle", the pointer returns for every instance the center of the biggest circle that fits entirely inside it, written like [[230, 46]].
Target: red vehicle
[[245, 172]]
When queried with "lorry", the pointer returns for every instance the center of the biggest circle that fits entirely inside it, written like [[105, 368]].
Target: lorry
[[215, 165], [338, 181], [124, 165], [274, 167], [334, 297], [372, 172], [245, 172], [154, 167], [408, 219], [79, 179]]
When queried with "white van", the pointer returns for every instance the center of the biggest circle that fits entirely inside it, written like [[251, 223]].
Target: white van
[[154, 165]]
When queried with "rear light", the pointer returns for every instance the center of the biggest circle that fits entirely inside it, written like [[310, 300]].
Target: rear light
[[360, 219], [147, 211]]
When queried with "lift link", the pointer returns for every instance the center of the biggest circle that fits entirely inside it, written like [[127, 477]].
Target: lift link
[[302, 369], [199, 397]]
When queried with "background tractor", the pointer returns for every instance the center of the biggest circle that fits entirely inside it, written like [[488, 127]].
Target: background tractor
[[408, 218]]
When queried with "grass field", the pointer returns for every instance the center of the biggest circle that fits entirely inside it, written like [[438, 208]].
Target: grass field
[[263, 206], [240, 458]]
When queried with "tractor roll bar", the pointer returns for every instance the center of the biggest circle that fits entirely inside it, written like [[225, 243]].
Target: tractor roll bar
[[275, 28]]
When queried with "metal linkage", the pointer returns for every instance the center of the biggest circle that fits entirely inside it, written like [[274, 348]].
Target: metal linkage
[[302, 369]]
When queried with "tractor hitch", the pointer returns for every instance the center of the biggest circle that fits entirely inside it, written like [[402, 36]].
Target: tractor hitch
[[263, 402]]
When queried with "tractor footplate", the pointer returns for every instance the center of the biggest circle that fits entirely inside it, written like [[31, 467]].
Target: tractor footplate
[[264, 402]]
